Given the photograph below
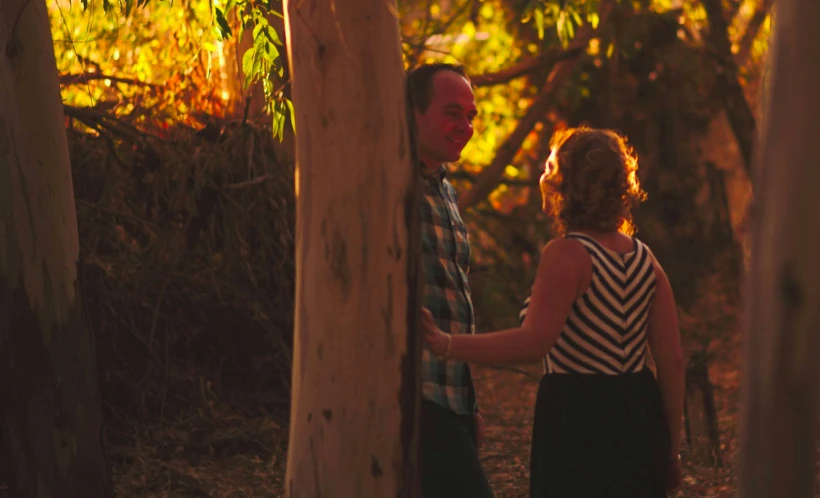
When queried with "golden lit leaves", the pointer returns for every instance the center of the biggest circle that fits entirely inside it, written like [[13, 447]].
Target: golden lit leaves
[[486, 44], [159, 48], [170, 57]]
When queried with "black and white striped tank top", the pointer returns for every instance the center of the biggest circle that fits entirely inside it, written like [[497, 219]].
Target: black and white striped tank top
[[605, 332]]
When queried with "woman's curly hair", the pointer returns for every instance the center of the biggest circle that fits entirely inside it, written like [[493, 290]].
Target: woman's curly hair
[[591, 181]]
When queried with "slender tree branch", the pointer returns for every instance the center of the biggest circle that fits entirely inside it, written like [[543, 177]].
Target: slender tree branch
[[752, 30], [733, 8], [737, 108], [491, 175], [99, 120], [544, 60], [249, 183], [418, 48], [82, 78], [463, 175]]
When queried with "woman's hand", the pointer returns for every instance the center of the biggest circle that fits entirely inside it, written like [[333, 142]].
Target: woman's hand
[[437, 340]]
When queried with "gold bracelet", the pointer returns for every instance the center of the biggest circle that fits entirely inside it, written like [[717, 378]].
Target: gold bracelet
[[447, 350]]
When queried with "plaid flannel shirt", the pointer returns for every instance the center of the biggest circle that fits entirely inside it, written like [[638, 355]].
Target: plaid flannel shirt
[[446, 292]]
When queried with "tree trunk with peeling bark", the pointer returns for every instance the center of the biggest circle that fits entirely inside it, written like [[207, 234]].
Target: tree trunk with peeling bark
[[782, 374], [51, 431], [356, 384], [737, 108]]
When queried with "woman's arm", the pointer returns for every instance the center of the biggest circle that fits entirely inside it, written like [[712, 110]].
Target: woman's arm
[[664, 340], [555, 289]]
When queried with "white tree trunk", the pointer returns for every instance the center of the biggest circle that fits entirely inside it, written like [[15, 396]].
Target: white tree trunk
[[355, 372], [50, 415], [783, 320]]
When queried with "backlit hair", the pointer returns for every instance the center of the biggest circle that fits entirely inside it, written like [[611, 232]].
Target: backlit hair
[[591, 181]]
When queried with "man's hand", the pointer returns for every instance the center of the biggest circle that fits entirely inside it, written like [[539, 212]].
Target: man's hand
[[479, 430]]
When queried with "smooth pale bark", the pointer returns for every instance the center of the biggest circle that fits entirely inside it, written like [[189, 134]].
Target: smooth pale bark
[[779, 430], [51, 430], [355, 371]]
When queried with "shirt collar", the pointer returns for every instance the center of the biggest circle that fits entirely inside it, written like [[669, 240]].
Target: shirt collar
[[438, 176]]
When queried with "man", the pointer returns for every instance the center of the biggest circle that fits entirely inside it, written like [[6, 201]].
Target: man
[[443, 108]]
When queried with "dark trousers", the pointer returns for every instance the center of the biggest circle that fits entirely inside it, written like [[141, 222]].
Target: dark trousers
[[449, 457]]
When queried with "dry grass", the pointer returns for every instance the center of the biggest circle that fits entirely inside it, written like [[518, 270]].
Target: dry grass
[[188, 278], [221, 454]]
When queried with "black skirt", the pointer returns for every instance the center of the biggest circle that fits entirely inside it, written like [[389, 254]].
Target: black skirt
[[599, 436]]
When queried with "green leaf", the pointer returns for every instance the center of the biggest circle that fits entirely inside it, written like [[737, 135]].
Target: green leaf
[[593, 19], [576, 16], [247, 67], [259, 21], [561, 28], [257, 64], [224, 27], [292, 114], [274, 36], [539, 23], [278, 124], [129, 4]]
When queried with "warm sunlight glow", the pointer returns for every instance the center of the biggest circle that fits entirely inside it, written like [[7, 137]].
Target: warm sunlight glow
[[173, 44], [594, 46]]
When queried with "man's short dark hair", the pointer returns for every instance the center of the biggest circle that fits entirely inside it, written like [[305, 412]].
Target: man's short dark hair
[[420, 82]]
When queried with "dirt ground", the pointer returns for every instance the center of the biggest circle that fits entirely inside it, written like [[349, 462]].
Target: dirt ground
[[232, 456]]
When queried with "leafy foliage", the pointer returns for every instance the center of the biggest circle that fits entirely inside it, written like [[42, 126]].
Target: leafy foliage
[[154, 65], [563, 17], [263, 62], [171, 57]]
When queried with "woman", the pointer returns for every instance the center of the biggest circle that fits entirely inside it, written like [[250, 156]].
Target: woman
[[603, 427]]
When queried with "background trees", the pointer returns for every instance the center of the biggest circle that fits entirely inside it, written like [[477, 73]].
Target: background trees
[[52, 428], [186, 206]]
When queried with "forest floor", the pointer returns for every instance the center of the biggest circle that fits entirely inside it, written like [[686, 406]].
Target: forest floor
[[223, 454], [507, 398]]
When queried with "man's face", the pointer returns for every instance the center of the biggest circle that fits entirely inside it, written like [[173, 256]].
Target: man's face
[[447, 124]]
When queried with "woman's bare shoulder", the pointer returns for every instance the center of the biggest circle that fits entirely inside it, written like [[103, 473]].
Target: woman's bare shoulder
[[563, 250]]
